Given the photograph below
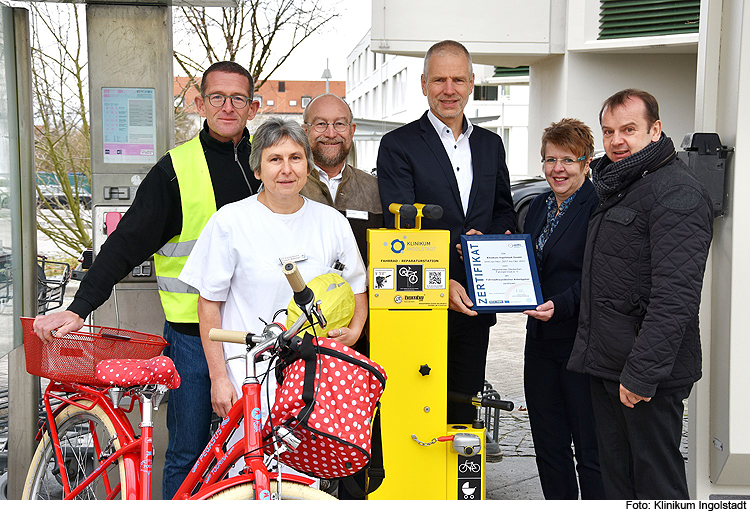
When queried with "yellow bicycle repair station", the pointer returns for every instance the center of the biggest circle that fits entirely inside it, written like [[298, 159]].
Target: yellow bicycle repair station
[[408, 328]]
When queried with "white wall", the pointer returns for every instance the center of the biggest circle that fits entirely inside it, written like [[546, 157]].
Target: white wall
[[720, 435], [576, 84]]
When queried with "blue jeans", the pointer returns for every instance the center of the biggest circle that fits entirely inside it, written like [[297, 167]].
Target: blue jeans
[[188, 409]]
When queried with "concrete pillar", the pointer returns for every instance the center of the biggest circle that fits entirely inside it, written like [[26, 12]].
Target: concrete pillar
[[719, 432], [23, 393]]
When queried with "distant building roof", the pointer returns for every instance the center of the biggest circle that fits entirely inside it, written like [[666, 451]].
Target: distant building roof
[[276, 96]]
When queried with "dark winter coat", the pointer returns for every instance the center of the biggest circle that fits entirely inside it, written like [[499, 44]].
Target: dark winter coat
[[645, 257]]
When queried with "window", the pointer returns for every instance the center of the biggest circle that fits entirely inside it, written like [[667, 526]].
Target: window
[[282, 86], [305, 100], [293, 102], [505, 134], [485, 93], [269, 102]]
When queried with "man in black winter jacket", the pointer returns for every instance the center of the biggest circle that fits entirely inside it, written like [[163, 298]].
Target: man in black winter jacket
[[643, 269]]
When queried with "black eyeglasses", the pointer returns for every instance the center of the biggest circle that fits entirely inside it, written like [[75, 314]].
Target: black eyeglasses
[[322, 126], [217, 100]]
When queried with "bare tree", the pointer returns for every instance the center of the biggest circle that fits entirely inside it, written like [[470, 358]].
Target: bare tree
[[186, 122], [62, 147], [260, 34]]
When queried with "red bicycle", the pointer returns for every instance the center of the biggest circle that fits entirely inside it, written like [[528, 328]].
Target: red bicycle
[[88, 448]]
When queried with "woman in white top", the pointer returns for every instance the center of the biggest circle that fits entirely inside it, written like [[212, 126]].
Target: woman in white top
[[236, 264]]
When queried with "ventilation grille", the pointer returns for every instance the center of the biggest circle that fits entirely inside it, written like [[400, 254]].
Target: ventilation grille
[[647, 18], [511, 72]]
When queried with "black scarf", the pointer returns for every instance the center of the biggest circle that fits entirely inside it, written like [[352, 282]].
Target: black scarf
[[609, 177]]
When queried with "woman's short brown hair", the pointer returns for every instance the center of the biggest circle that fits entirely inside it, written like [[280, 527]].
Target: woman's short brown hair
[[572, 134]]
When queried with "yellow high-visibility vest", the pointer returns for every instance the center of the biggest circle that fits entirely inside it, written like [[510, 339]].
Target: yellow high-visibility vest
[[179, 300]]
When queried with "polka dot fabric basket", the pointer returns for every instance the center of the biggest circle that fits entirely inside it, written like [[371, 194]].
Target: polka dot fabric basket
[[327, 398]]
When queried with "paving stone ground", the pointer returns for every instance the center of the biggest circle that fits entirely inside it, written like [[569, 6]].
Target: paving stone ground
[[515, 476]]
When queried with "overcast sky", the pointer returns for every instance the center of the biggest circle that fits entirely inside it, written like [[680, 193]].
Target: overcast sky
[[334, 42]]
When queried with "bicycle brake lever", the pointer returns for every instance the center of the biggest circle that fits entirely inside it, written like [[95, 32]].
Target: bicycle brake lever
[[318, 313]]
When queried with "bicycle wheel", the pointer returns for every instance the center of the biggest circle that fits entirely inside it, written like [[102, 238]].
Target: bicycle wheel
[[289, 491], [85, 436]]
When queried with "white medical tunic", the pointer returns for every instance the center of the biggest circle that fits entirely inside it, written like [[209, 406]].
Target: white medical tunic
[[237, 260]]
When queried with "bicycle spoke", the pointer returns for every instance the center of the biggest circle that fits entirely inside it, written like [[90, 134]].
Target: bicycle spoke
[[86, 438]]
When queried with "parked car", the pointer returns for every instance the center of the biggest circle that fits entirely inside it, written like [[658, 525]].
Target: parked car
[[56, 198], [523, 192]]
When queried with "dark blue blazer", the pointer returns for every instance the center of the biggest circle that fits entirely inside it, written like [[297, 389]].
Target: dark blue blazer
[[561, 262], [413, 167]]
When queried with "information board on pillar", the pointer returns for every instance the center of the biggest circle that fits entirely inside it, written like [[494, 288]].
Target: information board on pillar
[[129, 125]]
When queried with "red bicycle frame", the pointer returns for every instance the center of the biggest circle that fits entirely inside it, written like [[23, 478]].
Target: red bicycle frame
[[251, 446], [204, 479], [131, 448]]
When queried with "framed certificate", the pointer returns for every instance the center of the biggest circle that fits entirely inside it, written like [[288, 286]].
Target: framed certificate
[[501, 273]]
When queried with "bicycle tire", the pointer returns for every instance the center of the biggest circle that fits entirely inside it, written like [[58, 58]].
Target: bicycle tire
[[43, 481], [289, 491]]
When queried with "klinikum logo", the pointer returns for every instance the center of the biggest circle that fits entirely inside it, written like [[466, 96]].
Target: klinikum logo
[[399, 245]]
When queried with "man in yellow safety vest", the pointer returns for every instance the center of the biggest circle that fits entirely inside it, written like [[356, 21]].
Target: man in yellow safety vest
[[173, 204]]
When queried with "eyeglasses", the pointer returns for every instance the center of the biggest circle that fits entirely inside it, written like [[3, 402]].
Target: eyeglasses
[[565, 161], [217, 100], [322, 126]]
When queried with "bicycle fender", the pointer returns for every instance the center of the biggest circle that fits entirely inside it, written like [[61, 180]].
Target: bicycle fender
[[42, 423], [213, 489]]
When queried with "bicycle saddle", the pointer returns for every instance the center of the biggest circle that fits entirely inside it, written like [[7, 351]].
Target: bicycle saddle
[[131, 372]]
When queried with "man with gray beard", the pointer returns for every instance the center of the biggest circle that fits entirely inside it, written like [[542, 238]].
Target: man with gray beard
[[330, 127], [329, 124]]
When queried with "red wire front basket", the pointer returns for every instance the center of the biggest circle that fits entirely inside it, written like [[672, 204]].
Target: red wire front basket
[[73, 358]]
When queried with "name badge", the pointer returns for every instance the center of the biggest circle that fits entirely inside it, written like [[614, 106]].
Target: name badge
[[357, 215], [293, 258]]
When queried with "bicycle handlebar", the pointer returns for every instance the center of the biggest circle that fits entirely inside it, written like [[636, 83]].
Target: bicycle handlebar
[[230, 336], [407, 211], [304, 297], [294, 277], [432, 211], [273, 334]]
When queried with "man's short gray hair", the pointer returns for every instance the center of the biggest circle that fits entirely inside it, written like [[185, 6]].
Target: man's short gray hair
[[273, 131], [446, 46]]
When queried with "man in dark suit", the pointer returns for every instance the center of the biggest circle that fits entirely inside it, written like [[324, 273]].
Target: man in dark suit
[[443, 159]]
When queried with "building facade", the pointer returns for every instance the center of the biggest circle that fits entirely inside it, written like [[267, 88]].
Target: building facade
[[384, 91]]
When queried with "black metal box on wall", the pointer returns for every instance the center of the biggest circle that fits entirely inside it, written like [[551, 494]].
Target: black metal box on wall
[[707, 158]]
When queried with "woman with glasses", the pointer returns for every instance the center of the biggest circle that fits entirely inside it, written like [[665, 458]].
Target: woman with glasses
[[558, 400]]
